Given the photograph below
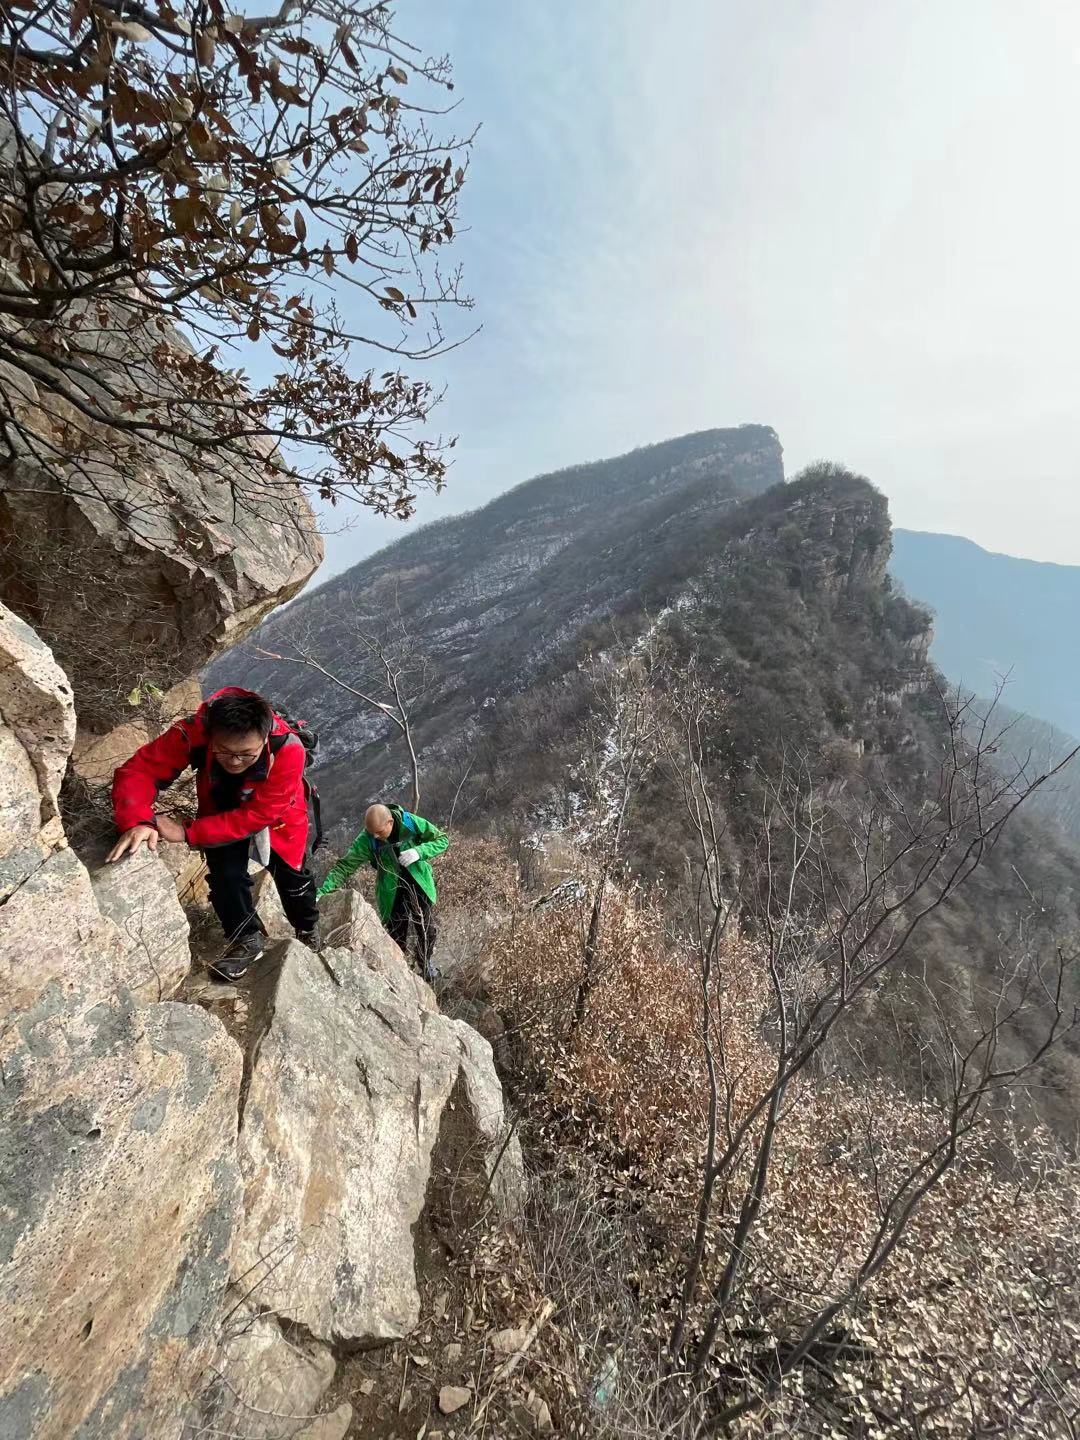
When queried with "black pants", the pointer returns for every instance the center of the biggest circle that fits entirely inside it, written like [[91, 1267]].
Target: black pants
[[412, 908], [230, 890]]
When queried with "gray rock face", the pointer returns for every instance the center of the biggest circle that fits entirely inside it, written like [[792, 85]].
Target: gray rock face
[[37, 729], [119, 1188], [120, 1193], [54, 943], [143, 563], [346, 1097], [138, 894], [57, 952]]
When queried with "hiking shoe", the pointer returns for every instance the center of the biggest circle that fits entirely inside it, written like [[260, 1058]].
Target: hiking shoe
[[311, 938], [239, 957]]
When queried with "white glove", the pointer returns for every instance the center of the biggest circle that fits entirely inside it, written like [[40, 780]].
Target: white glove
[[409, 857]]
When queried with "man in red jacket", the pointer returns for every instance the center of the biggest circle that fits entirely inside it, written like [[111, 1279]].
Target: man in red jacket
[[250, 783]]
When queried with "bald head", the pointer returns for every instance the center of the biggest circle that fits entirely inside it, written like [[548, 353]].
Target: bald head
[[378, 821]]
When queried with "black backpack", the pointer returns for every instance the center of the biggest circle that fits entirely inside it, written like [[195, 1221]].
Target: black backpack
[[310, 740]]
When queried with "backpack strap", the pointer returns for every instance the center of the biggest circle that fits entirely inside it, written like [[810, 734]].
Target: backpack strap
[[315, 800], [409, 823], [196, 753]]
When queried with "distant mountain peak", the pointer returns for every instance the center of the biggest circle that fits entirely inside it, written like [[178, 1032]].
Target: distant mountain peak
[[997, 616]]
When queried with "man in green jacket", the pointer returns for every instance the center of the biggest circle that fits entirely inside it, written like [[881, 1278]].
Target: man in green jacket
[[398, 846]]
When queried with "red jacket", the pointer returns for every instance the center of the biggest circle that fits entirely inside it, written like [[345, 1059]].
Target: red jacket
[[273, 798]]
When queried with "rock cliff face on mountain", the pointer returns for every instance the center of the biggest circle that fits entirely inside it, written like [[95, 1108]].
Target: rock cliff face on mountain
[[195, 1220], [135, 562], [475, 607]]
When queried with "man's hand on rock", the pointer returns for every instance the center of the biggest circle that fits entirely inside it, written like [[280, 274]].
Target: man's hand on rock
[[130, 841], [165, 828]]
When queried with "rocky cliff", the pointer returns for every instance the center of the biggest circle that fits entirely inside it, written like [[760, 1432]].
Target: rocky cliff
[[473, 608], [198, 1218], [137, 556]]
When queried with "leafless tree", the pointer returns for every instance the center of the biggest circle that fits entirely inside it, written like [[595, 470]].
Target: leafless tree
[[621, 750], [179, 181], [835, 888], [383, 667]]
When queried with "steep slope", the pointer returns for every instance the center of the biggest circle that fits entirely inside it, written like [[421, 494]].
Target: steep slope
[[1034, 745], [780, 600], [998, 616], [819, 669], [487, 599], [783, 606]]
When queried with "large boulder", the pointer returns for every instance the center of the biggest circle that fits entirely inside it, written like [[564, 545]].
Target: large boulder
[[58, 955], [119, 1187], [119, 1199], [349, 1087], [138, 894], [37, 729], [348, 921], [71, 938], [138, 561]]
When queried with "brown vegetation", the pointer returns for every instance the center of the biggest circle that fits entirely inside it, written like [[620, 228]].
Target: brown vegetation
[[968, 1327]]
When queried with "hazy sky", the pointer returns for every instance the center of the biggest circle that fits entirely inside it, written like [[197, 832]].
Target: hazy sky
[[856, 222]]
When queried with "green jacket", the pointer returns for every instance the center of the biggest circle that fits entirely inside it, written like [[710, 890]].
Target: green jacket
[[410, 832]]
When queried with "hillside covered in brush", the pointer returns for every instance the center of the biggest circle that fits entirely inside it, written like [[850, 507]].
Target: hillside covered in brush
[[475, 607], [692, 559]]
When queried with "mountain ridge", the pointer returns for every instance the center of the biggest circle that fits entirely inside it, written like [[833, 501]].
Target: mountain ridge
[[775, 593], [998, 618], [488, 597]]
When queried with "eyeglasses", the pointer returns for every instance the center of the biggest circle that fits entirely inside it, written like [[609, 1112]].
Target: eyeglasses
[[247, 757]]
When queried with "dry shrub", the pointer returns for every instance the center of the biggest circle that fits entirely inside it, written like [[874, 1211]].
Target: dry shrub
[[477, 875], [970, 1329]]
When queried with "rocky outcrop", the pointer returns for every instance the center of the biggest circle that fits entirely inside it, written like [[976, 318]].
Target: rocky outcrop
[[348, 922], [120, 1195], [150, 1253], [139, 896], [137, 561], [831, 534], [119, 1188], [37, 729], [349, 1084]]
